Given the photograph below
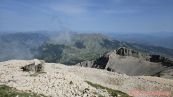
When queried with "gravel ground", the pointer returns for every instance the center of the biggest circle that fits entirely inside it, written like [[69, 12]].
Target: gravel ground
[[56, 83], [138, 86], [69, 81]]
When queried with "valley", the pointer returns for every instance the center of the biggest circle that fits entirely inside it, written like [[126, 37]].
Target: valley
[[49, 46]]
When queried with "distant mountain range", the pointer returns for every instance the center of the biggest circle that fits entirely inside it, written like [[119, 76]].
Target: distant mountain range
[[68, 48], [163, 39], [19, 45]]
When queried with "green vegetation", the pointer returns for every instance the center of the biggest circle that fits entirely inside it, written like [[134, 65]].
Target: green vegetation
[[6, 91], [112, 92], [82, 47], [90, 46], [37, 73], [150, 49]]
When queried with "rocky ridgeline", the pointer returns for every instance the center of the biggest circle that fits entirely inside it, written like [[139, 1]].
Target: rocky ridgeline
[[129, 52], [152, 58], [133, 63], [56, 83]]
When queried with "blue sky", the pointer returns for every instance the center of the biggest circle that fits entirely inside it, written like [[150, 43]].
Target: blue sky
[[87, 15]]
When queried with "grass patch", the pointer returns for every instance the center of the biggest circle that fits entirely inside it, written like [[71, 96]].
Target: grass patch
[[37, 73], [112, 92], [6, 91]]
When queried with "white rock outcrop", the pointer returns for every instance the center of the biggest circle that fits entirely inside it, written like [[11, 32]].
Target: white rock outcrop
[[56, 83]]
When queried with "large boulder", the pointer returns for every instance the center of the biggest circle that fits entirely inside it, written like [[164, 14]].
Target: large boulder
[[35, 66]]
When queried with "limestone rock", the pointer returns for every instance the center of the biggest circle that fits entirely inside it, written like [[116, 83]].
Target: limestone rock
[[59, 83], [131, 62], [36, 66]]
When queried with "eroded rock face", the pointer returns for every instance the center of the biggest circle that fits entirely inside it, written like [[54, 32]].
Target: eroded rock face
[[122, 51], [164, 60], [129, 52], [131, 62]]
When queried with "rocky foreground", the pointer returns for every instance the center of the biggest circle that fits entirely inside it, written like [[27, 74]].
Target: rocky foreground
[[59, 80]]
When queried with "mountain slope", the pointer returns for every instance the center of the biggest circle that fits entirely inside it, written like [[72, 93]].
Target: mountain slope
[[81, 47], [89, 46], [68, 48], [150, 49], [133, 63]]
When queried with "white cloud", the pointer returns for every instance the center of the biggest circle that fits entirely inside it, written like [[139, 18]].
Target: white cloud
[[70, 6], [114, 11], [69, 9]]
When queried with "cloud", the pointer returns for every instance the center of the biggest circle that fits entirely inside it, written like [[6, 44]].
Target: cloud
[[70, 6], [120, 11], [70, 9], [64, 34]]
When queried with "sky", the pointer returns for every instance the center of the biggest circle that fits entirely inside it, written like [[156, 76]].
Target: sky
[[139, 16]]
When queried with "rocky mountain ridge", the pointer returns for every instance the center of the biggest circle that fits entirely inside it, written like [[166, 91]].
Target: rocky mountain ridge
[[133, 63]]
